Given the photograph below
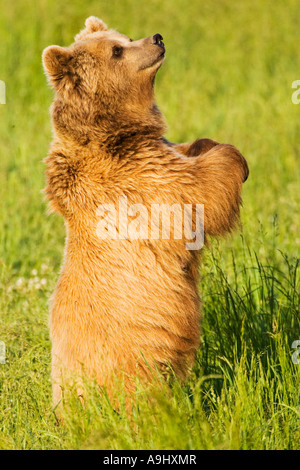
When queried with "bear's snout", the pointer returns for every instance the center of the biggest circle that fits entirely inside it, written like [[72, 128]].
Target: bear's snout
[[157, 39]]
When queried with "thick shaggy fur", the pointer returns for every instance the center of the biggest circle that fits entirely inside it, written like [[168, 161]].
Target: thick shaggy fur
[[125, 305]]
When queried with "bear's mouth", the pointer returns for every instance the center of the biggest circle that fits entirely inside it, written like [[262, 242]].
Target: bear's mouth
[[158, 41], [160, 58]]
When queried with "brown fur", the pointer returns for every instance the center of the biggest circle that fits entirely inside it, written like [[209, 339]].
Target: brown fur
[[120, 304]]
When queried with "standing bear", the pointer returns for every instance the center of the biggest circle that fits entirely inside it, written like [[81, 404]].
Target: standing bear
[[126, 302]]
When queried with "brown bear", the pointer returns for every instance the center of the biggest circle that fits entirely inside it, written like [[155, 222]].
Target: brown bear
[[126, 304]]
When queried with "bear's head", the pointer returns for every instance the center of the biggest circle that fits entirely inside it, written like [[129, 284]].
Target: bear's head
[[103, 76]]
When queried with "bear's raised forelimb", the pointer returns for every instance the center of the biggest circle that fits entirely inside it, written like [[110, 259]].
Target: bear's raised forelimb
[[215, 180], [220, 173], [198, 147]]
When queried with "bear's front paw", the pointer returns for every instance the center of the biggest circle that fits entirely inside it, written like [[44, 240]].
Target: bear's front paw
[[242, 162], [201, 146], [234, 158]]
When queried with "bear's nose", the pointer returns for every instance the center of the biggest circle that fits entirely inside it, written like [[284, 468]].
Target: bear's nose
[[157, 39]]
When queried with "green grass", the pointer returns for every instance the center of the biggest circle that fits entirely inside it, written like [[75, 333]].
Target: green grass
[[228, 75]]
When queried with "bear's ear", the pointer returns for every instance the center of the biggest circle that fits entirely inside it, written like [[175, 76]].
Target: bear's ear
[[56, 62], [92, 25]]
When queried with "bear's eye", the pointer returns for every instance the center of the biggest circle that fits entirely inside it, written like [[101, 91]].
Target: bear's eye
[[117, 51]]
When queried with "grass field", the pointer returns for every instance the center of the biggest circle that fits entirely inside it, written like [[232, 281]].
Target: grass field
[[228, 76]]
